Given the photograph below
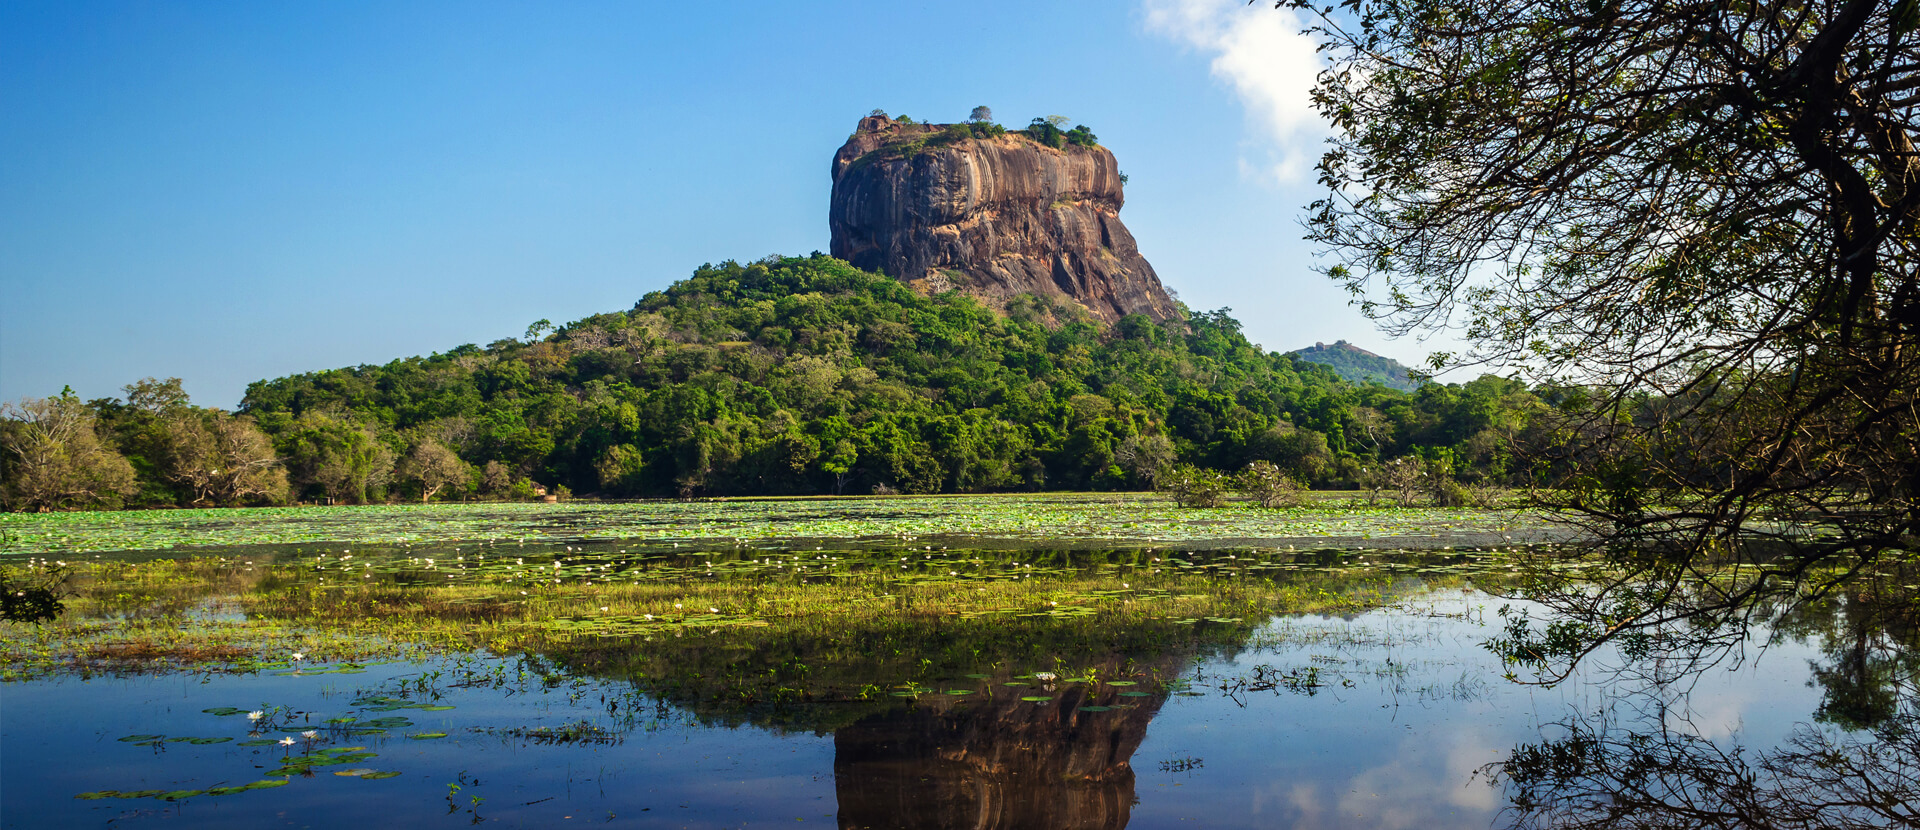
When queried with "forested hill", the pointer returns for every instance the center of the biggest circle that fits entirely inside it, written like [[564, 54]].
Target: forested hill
[[1359, 365], [806, 375]]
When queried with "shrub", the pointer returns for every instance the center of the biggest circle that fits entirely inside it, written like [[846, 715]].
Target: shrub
[[1267, 485], [1193, 486], [1404, 477], [522, 490], [1046, 133]]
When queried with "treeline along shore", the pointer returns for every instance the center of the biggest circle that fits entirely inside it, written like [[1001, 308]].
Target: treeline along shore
[[785, 376]]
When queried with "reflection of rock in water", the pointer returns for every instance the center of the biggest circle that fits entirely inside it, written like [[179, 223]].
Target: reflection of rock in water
[[993, 763]]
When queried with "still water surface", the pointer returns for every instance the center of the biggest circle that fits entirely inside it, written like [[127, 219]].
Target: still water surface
[[1387, 719]]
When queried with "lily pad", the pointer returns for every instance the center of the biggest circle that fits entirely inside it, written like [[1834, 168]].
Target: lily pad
[[266, 784], [387, 773], [356, 772], [1122, 683], [1096, 708], [959, 691], [1136, 694], [204, 741], [224, 710], [140, 739], [95, 796], [176, 795], [1036, 698], [427, 736], [258, 742]]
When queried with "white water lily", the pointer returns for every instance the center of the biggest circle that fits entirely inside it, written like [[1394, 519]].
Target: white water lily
[[1044, 676], [297, 656], [286, 742], [256, 715], [310, 734]]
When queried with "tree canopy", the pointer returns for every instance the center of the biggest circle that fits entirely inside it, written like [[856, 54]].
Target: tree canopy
[[803, 375], [1696, 220]]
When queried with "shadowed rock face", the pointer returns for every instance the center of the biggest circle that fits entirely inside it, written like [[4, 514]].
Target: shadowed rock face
[[993, 217], [995, 763]]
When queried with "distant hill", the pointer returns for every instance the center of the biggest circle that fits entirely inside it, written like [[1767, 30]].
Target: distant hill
[[1359, 365]]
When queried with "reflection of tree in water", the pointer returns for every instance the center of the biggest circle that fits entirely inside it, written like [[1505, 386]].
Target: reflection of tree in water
[[1858, 767], [1602, 775], [1870, 636], [993, 763]]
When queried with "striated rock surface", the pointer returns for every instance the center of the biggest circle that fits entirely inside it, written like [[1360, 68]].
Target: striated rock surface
[[994, 217]]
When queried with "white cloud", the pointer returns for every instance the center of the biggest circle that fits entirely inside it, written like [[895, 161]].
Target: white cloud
[[1259, 51]]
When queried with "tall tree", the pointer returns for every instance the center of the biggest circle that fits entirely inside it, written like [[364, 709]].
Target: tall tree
[[222, 459], [435, 467], [1698, 218], [341, 457], [54, 460]]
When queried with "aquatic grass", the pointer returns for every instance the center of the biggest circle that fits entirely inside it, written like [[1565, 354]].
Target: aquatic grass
[[335, 609], [1053, 518]]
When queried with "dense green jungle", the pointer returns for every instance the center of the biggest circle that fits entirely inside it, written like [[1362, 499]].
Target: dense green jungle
[[782, 376]]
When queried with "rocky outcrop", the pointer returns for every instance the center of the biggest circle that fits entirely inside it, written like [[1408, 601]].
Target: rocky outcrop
[[994, 217]]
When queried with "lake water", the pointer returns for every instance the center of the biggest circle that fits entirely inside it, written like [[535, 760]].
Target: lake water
[[1388, 719]]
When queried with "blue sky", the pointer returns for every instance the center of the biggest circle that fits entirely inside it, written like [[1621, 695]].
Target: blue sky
[[225, 192]]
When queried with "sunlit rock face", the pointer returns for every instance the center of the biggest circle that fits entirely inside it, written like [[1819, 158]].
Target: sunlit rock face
[[993, 217], [992, 763]]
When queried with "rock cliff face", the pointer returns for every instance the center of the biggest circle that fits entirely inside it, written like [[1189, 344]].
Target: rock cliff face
[[993, 217]]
